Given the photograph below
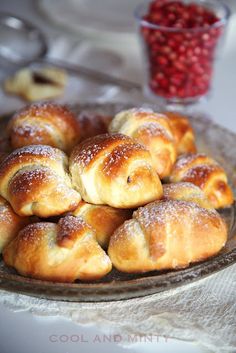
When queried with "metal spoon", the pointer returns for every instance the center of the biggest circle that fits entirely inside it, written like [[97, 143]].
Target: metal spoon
[[22, 43]]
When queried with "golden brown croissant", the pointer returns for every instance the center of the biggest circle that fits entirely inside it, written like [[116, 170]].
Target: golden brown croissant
[[206, 173], [103, 219], [35, 181], [44, 124], [10, 223], [60, 252], [114, 170], [93, 124], [167, 235], [153, 131], [183, 133], [186, 192]]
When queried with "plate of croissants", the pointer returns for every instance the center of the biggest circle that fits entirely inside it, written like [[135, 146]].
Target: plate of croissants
[[107, 201]]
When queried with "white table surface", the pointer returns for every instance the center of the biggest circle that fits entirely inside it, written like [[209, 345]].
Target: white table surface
[[22, 332]]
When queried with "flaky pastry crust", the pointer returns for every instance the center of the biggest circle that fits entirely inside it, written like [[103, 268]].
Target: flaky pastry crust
[[113, 169], [207, 174], [10, 223], [186, 192], [165, 235], [35, 181], [183, 133], [44, 124], [152, 130], [60, 252], [103, 219]]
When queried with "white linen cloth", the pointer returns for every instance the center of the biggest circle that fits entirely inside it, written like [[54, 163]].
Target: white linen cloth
[[203, 312]]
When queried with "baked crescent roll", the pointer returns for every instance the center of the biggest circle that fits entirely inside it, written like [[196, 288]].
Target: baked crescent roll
[[35, 84], [151, 129], [60, 252], [93, 124], [10, 223], [167, 234], [114, 170], [44, 124], [186, 192], [35, 181], [183, 133], [206, 173], [103, 219]]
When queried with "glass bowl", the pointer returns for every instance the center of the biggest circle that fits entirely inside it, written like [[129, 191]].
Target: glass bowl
[[179, 62]]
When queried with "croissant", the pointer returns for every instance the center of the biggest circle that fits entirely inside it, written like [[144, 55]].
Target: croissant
[[206, 173], [183, 133], [10, 223], [114, 170], [103, 219], [153, 131], [35, 181], [44, 124], [60, 252], [93, 124], [167, 234], [186, 192]]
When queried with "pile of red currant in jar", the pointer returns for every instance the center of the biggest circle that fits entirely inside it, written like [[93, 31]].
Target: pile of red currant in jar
[[180, 40]]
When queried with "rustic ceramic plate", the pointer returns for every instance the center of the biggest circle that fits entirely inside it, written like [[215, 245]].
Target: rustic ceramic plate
[[212, 139]]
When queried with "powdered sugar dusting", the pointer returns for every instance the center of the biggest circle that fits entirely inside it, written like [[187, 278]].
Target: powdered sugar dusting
[[128, 228], [47, 183], [161, 213], [156, 129], [70, 224], [200, 174], [186, 159], [147, 113], [184, 188], [47, 109], [170, 211], [172, 187], [90, 148], [122, 152], [71, 229], [29, 130], [33, 233], [26, 178], [6, 213], [86, 155], [35, 150]]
